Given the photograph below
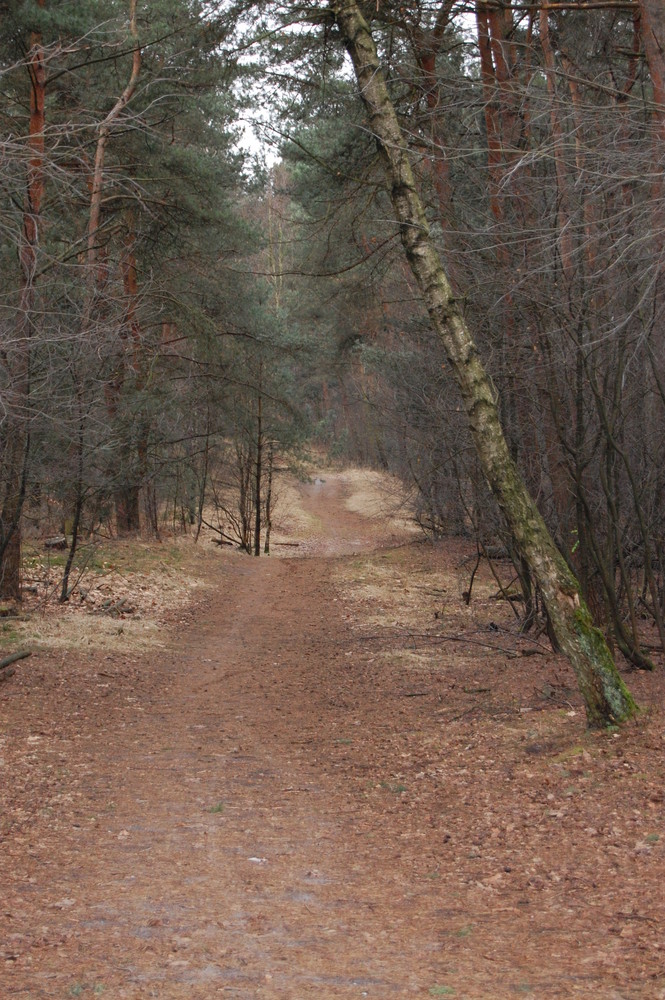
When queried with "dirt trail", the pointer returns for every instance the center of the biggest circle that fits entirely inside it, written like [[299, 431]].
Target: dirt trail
[[198, 844], [223, 820]]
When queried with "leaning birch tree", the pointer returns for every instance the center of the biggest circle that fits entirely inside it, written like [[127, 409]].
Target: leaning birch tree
[[606, 697]]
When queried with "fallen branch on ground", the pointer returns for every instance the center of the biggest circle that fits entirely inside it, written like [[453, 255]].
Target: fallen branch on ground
[[428, 637], [224, 539], [13, 657], [121, 607], [6, 671]]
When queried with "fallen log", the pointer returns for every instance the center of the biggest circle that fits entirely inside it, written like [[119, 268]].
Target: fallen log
[[56, 542], [13, 657], [121, 607], [7, 671]]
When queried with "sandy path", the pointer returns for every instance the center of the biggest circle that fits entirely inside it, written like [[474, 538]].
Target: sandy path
[[204, 845]]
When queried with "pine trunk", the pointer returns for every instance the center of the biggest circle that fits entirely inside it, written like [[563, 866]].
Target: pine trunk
[[606, 697], [258, 472], [15, 439], [10, 532], [652, 21], [128, 510]]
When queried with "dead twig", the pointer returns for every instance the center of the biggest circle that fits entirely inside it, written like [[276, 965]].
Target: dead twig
[[409, 637], [466, 594], [502, 590]]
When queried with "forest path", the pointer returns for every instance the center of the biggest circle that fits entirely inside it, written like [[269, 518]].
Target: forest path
[[202, 842], [227, 818]]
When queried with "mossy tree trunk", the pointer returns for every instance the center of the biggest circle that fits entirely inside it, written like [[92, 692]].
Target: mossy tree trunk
[[605, 695]]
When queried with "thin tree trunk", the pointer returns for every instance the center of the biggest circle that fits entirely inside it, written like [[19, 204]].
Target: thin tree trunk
[[257, 478], [605, 695], [244, 463], [15, 440], [80, 490], [271, 457], [103, 134], [126, 498], [427, 45], [652, 23], [15, 461], [204, 479], [128, 505], [76, 523]]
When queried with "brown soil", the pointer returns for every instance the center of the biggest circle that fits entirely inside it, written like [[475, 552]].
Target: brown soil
[[333, 780]]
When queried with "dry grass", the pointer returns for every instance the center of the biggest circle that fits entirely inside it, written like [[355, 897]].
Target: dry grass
[[417, 591], [124, 592], [379, 496], [290, 519]]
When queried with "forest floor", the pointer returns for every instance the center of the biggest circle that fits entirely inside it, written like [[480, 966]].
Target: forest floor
[[324, 776]]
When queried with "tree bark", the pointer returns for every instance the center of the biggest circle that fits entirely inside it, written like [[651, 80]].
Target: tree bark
[[126, 496], [271, 457], [258, 471], [79, 496], [127, 500], [606, 697], [103, 133], [15, 439], [652, 18]]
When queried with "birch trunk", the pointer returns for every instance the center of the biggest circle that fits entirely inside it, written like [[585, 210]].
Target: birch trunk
[[606, 697]]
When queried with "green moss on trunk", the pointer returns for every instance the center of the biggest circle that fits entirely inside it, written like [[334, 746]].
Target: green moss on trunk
[[602, 674], [606, 696]]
